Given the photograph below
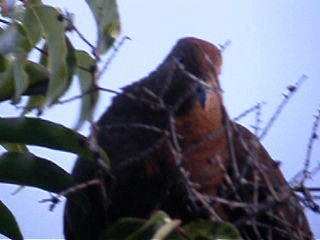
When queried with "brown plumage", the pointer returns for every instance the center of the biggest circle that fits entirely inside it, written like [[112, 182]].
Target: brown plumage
[[173, 147]]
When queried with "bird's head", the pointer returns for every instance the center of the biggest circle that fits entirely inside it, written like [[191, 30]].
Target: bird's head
[[197, 64], [198, 57]]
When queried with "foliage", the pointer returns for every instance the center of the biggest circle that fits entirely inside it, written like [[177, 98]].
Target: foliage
[[161, 226], [34, 26]]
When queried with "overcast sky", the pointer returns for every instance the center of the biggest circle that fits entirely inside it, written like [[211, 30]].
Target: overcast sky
[[272, 44]]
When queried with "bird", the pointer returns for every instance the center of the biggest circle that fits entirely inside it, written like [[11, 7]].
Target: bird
[[173, 147]]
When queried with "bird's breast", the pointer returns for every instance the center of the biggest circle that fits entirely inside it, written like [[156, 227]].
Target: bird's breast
[[204, 147]]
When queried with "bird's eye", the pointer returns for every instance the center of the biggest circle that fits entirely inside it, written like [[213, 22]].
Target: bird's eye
[[180, 60]]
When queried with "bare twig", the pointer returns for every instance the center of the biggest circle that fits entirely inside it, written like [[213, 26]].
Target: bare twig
[[109, 90], [203, 140], [246, 112], [300, 177], [70, 26], [76, 97], [41, 50], [116, 48], [55, 199], [310, 189], [228, 178], [193, 77], [292, 89], [228, 130], [256, 126], [308, 199], [82, 37], [313, 137], [174, 138], [138, 126], [225, 45], [90, 91], [128, 161], [4, 21]]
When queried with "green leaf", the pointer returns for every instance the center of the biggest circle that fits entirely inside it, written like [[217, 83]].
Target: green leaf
[[123, 228], [29, 34], [35, 131], [32, 24], [34, 102], [21, 78], [53, 29], [13, 147], [8, 224], [2, 64], [9, 39], [71, 60], [44, 57], [209, 230], [156, 221], [108, 22], [89, 94], [6, 81], [38, 76], [30, 170], [167, 229], [37, 102], [137, 229], [36, 72]]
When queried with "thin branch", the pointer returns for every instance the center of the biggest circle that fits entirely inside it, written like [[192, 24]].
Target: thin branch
[[155, 105], [4, 21], [144, 153], [231, 150], [308, 199], [300, 177], [228, 178], [225, 45], [174, 138], [138, 126], [292, 89], [82, 37], [194, 77], [41, 50], [313, 137], [203, 140], [71, 99], [246, 112], [113, 54], [256, 126], [68, 17], [90, 91], [55, 199], [70, 26], [310, 189]]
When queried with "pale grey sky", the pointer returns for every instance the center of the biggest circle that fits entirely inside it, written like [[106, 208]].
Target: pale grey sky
[[273, 44]]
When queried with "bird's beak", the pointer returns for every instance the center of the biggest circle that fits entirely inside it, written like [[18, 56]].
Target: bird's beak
[[202, 93]]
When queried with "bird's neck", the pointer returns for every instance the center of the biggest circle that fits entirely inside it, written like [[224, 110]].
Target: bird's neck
[[200, 121]]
